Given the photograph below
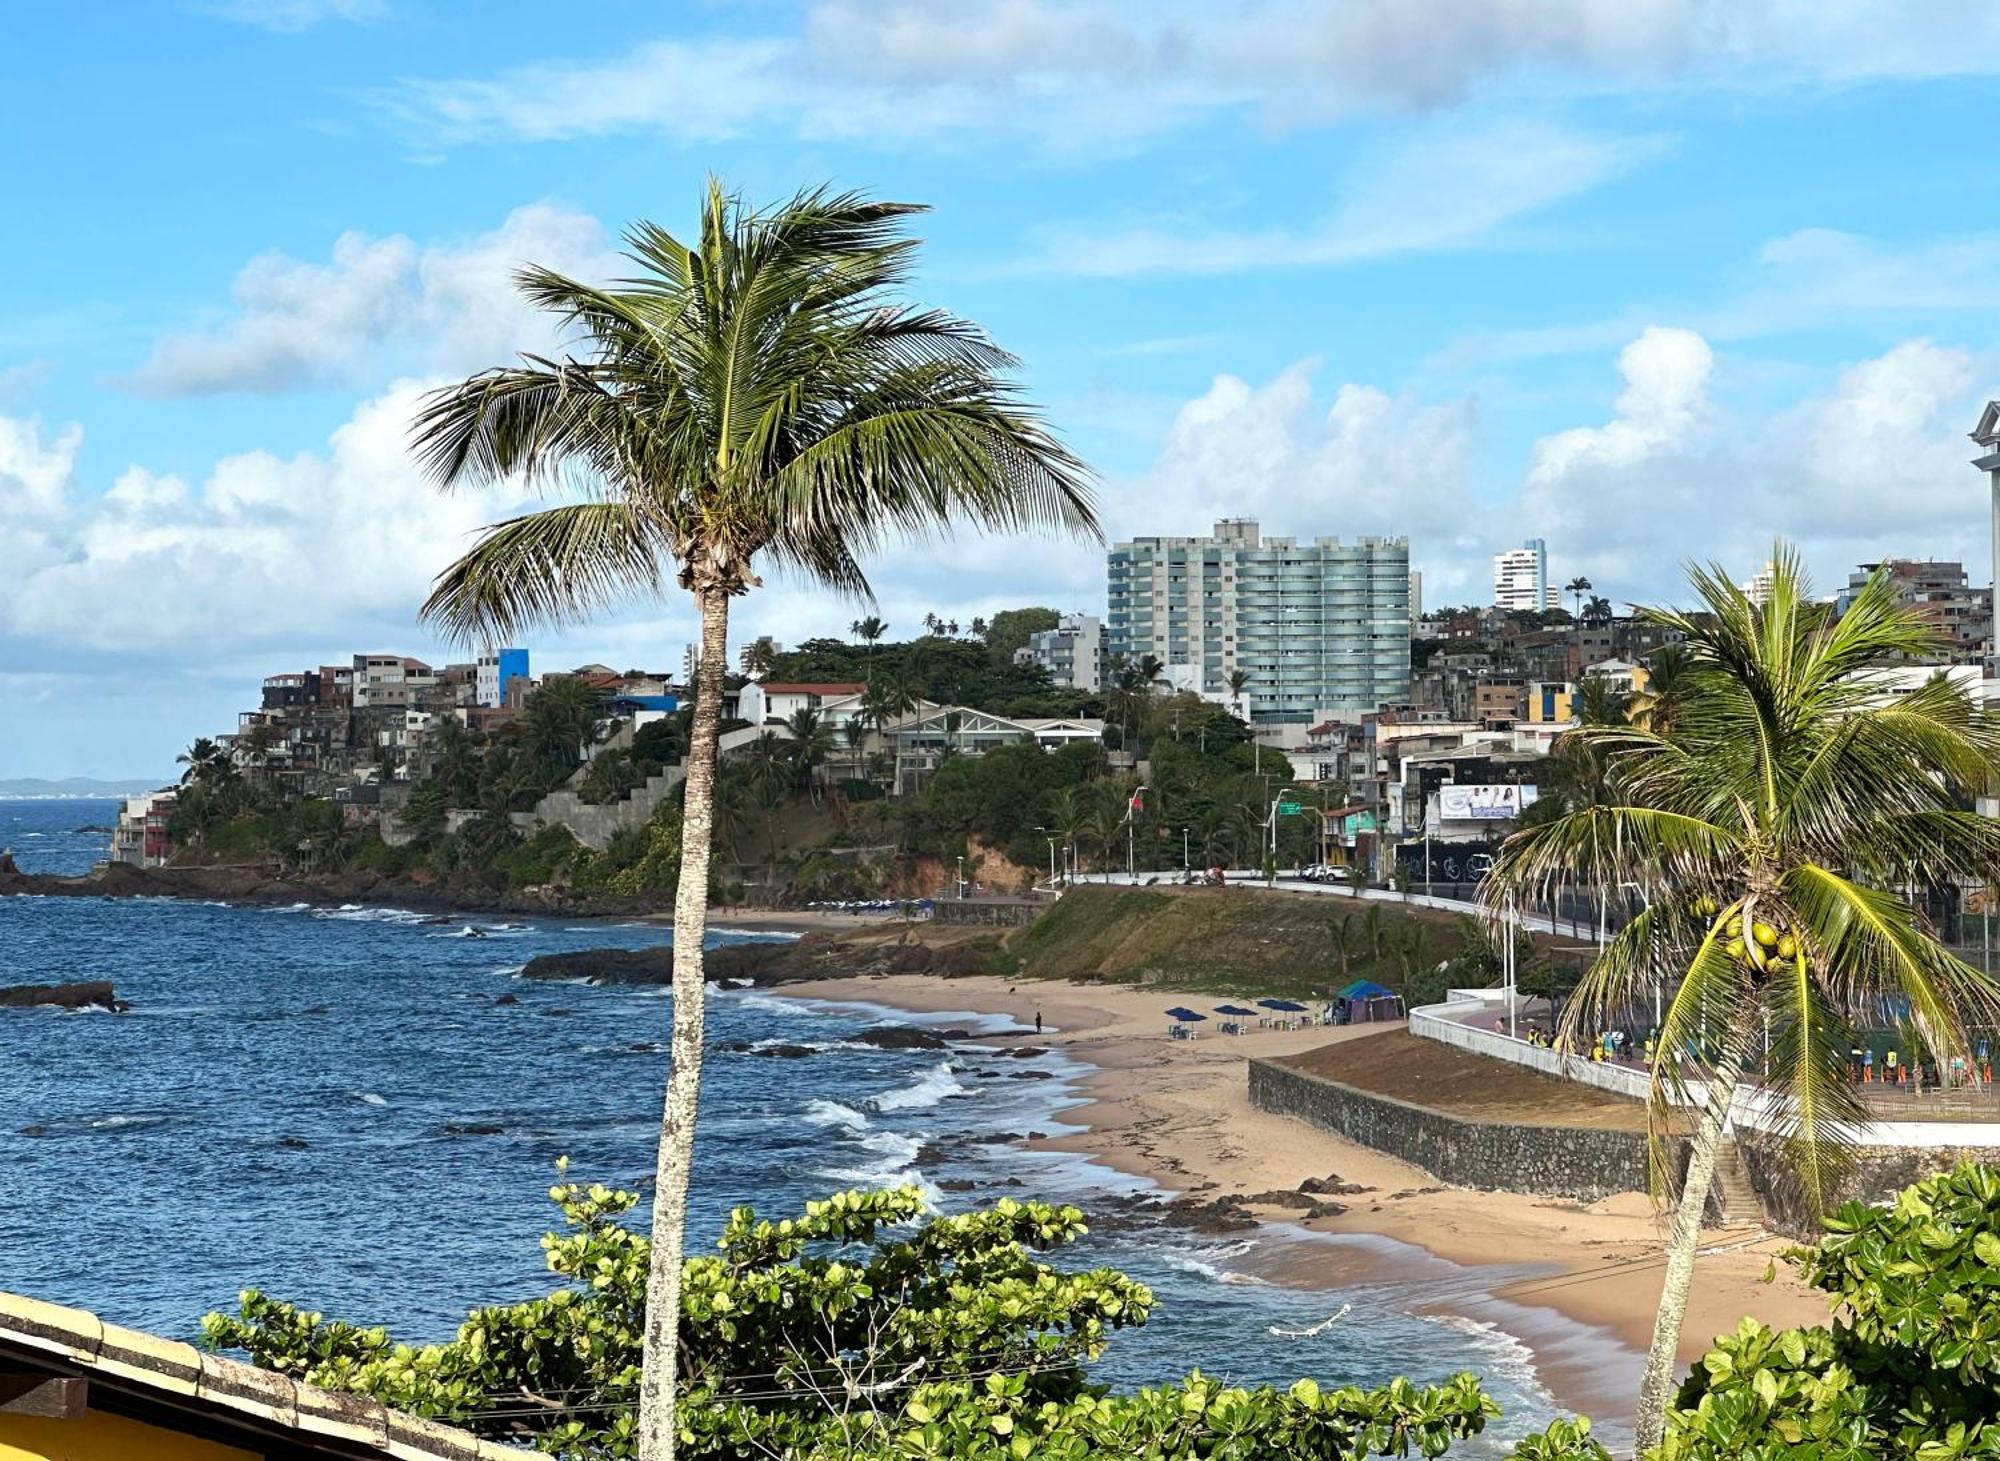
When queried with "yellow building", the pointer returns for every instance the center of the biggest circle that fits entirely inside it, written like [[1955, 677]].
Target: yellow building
[[74, 1388]]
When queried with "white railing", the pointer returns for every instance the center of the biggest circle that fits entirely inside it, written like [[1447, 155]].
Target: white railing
[[1751, 1108]]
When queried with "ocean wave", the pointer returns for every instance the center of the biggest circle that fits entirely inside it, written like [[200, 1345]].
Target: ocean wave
[[357, 913], [125, 1121], [509, 970], [1209, 1263], [927, 1090], [368, 1098], [743, 999], [1509, 1354], [832, 1113]]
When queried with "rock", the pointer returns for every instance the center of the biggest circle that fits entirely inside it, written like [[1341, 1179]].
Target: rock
[[508, 999], [605, 966], [1208, 1216], [956, 1184], [292, 1143], [1331, 1185], [472, 1128], [557, 1011], [92, 994], [784, 1052], [1326, 1210], [1413, 1192], [317, 1009], [1026, 1052], [33, 1129], [1032, 1075], [1299, 1201], [898, 1037]]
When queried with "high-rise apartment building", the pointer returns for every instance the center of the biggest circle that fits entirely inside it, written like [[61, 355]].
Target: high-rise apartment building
[[1319, 627], [1072, 652], [1521, 578]]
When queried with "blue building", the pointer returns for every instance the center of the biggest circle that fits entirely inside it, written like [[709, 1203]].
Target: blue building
[[498, 668]]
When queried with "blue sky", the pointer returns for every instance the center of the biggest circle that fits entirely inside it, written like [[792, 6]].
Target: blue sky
[[1649, 278]]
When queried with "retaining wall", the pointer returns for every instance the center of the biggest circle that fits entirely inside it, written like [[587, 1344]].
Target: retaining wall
[[1574, 1162]]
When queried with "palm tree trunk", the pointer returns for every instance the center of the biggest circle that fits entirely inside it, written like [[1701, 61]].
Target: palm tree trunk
[[1663, 1359], [657, 1429]]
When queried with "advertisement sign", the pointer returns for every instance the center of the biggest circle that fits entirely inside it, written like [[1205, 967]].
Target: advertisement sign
[[1483, 803]]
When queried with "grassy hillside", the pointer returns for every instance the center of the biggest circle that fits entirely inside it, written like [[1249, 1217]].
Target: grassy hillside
[[1243, 940]]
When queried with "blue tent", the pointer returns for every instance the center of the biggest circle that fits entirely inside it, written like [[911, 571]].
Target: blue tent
[[1184, 1014], [1366, 989]]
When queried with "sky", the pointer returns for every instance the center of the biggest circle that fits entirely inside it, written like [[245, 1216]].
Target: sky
[[1655, 280]]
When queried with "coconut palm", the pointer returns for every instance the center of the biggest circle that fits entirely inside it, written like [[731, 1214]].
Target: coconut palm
[[812, 744], [1576, 588], [1596, 610], [1775, 828], [205, 759], [759, 399], [1239, 681], [869, 630]]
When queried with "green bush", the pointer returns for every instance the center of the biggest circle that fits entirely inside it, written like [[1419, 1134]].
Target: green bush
[[1910, 1367], [876, 1332], [373, 855]]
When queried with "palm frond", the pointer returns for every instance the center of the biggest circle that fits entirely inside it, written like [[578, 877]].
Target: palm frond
[[552, 567]]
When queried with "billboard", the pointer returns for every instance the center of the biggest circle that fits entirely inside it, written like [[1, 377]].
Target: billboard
[[1474, 803]]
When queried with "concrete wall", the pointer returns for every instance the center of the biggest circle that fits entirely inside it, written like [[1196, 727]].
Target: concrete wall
[[1875, 1176], [988, 912], [595, 826], [1552, 1161]]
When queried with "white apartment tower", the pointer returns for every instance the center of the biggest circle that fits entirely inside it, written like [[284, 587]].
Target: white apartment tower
[[1521, 579], [1319, 627]]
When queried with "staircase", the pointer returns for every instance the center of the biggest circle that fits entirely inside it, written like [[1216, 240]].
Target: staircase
[[1734, 1202]]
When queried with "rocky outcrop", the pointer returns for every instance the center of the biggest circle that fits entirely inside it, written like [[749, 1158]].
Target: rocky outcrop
[[93, 994]]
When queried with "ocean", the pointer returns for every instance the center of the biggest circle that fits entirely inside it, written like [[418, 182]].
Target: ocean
[[285, 1107]]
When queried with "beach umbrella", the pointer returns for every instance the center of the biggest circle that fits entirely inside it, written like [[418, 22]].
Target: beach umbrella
[[1184, 1014], [1285, 1006], [1236, 1010]]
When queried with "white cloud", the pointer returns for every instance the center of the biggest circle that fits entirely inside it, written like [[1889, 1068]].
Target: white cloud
[[1876, 465], [291, 16], [1102, 75], [265, 550], [34, 478], [1365, 462], [1666, 375], [1439, 188], [449, 308]]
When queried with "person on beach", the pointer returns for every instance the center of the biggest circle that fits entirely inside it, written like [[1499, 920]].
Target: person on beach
[[1038, 1022]]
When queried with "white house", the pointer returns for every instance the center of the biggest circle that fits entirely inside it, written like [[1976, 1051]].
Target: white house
[[775, 703]]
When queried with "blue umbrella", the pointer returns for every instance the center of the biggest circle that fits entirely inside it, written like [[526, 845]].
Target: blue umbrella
[[1184, 1014], [1234, 1009], [1282, 1004]]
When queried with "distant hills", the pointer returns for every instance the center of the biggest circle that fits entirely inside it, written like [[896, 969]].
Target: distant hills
[[72, 787]]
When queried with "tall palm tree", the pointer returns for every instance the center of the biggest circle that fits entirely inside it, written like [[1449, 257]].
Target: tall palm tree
[[1596, 610], [1576, 588], [1239, 681], [812, 743], [204, 758], [869, 631], [1775, 828], [762, 397]]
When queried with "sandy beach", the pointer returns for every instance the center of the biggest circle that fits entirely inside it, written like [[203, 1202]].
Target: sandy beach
[[1578, 1283]]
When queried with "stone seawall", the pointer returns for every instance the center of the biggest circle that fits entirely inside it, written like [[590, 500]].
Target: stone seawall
[[1573, 1162], [989, 912], [1874, 1175]]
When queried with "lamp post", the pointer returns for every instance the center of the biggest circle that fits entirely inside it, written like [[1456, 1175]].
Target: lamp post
[[1052, 854], [961, 878]]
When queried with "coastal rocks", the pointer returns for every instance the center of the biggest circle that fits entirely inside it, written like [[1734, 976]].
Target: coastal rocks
[[508, 999], [472, 1128], [91, 994], [33, 1129], [899, 1037], [1331, 1186], [604, 966], [293, 1143]]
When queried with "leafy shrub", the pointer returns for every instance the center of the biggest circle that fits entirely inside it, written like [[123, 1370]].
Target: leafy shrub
[[872, 1331], [373, 855], [1909, 1369]]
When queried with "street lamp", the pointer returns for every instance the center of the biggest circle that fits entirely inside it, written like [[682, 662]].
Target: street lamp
[[961, 878], [1052, 854]]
